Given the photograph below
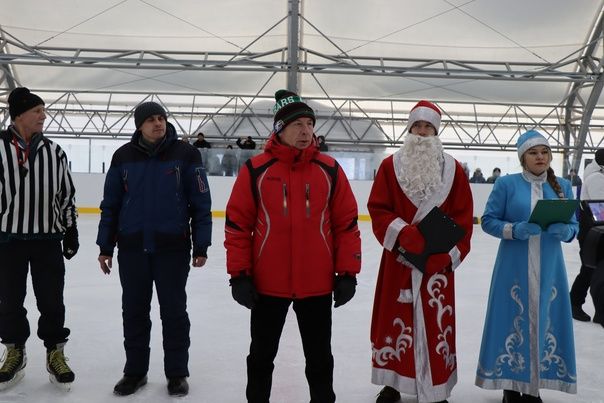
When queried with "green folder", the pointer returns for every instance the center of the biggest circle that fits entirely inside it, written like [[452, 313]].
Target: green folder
[[549, 211]]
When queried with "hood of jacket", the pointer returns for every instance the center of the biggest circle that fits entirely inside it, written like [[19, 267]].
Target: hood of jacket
[[590, 169]]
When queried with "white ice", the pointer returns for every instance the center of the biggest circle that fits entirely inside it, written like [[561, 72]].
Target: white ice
[[220, 335]]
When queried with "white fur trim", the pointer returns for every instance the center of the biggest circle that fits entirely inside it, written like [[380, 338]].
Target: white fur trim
[[392, 232], [455, 257], [530, 143], [426, 114]]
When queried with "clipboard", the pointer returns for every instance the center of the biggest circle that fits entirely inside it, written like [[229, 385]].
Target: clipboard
[[441, 234], [549, 211]]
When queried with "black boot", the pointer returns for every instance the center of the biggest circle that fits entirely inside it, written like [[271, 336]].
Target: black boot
[[531, 399], [579, 314], [129, 384], [178, 386], [511, 396], [388, 395]]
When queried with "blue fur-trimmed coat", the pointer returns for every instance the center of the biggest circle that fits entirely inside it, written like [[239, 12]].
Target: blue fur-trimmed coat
[[527, 343], [156, 201]]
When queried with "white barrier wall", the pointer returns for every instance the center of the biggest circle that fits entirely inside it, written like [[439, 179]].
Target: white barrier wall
[[89, 192]]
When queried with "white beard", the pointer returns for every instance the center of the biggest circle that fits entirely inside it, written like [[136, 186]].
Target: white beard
[[421, 160]]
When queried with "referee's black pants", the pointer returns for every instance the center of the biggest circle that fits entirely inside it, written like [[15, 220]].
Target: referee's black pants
[[45, 259]]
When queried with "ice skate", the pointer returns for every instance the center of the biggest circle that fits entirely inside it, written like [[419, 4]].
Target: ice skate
[[13, 367]]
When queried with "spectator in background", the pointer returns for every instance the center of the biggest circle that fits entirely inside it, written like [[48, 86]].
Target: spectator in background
[[496, 174], [246, 143], [322, 144], [574, 179], [229, 161], [466, 169], [212, 163], [592, 189], [477, 177], [201, 141]]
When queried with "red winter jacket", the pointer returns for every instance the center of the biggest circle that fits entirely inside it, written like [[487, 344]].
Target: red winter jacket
[[291, 222]]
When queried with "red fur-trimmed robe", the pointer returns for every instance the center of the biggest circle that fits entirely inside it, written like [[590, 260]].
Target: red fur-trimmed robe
[[413, 323]]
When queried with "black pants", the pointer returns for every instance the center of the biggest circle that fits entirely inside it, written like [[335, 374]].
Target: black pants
[[45, 259], [580, 286], [314, 322], [169, 271], [597, 290]]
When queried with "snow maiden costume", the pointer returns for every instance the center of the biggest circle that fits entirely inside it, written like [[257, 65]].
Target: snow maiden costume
[[527, 343]]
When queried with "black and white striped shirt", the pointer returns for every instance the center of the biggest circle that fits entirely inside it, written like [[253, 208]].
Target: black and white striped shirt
[[36, 195]]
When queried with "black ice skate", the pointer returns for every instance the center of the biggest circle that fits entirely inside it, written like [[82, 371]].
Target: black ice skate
[[56, 363], [13, 368]]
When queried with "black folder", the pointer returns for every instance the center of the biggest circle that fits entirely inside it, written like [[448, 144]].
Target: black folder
[[441, 234], [549, 211]]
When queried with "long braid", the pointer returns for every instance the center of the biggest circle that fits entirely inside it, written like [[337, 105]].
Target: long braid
[[551, 179]]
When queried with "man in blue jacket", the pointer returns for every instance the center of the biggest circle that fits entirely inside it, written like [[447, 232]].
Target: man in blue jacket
[[156, 199]]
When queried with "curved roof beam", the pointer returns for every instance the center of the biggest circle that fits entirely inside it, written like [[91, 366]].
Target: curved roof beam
[[576, 107]]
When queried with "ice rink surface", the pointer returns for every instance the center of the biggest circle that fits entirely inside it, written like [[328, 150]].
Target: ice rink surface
[[220, 335]]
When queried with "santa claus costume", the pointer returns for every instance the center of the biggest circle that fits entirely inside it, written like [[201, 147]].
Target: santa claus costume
[[413, 323]]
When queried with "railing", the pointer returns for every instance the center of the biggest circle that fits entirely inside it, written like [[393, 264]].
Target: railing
[[94, 155]]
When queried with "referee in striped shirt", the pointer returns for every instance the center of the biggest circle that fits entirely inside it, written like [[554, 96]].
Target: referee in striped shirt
[[37, 212]]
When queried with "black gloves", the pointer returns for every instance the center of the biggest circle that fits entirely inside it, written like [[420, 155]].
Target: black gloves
[[343, 289], [70, 242], [243, 290]]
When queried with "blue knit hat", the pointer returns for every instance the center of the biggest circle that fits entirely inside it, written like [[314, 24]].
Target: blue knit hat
[[528, 140]]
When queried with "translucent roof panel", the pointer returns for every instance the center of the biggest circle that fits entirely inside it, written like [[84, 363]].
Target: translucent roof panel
[[515, 31]]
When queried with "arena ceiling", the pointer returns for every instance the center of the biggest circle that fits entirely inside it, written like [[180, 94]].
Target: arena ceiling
[[495, 67]]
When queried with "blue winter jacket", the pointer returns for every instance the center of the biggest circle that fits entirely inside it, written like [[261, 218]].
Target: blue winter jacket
[[154, 201]]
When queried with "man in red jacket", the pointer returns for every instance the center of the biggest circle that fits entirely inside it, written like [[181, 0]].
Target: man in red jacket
[[292, 238], [413, 323]]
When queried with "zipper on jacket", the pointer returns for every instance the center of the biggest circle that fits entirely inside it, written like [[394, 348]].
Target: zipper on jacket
[[125, 179], [177, 172], [284, 199], [307, 194]]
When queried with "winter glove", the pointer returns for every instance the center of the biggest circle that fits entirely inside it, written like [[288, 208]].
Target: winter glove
[[437, 263], [411, 240], [70, 242], [560, 231], [523, 230], [344, 288], [243, 290]]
